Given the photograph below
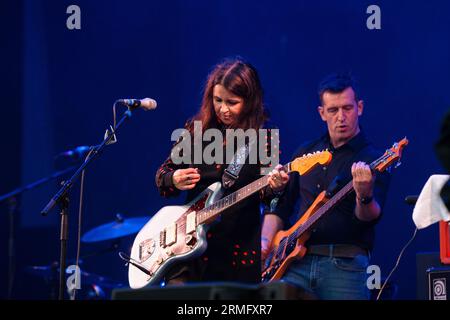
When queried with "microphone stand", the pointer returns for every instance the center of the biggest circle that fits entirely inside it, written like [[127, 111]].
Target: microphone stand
[[13, 209], [62, 198]]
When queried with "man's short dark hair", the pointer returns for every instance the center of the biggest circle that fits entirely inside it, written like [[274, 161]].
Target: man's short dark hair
[[336, 83]]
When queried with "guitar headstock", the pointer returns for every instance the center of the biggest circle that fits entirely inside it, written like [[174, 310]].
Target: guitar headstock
[[391, 155], [305, 163]]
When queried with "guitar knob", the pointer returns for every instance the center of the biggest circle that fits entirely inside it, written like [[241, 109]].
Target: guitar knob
[[190, 240]]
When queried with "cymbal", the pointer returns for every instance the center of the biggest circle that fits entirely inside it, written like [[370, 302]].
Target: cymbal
[[52, 272], [119, 228]]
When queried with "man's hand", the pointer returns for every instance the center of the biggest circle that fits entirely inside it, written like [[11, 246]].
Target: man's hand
[[265, 248], [363, 183], [363, 180], [271, 225]]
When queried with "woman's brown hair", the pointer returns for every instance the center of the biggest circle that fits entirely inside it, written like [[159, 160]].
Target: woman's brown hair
[[241, 79]]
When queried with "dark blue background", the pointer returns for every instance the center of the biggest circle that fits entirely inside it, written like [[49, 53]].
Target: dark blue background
[[58, 86]]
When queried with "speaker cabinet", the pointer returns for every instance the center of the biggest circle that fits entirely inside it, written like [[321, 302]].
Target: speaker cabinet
[[439, 283], [426, 262]]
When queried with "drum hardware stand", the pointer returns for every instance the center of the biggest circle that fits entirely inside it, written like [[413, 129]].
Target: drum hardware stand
[[12, 199]]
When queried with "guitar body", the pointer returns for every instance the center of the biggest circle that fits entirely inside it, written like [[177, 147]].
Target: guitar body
[[178, 233], [276, 265], [171, 236]]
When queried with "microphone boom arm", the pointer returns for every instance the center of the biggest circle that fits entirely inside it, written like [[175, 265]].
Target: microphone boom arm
[[94, 153]]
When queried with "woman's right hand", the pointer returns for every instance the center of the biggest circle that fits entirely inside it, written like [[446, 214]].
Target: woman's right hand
[[185, 179]]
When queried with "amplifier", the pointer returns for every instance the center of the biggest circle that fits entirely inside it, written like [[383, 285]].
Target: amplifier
[[424, 262], [438, 283]]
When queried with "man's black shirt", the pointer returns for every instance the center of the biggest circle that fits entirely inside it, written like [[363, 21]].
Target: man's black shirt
[[340, 225]]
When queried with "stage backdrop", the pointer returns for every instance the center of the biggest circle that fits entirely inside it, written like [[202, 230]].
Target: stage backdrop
[[60, 84]]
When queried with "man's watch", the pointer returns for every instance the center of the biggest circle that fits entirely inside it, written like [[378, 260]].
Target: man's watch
[[365, 200]]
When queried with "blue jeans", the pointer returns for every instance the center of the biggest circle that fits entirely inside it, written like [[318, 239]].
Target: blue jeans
[[331, 278]]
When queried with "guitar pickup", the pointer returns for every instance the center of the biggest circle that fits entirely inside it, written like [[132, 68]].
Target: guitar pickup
[[162, 238], [191, 222], [171, 234]]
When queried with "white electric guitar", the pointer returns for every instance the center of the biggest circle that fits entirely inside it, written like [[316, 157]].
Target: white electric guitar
[[178, 233]]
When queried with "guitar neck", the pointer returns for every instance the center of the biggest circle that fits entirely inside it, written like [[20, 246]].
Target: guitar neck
[[213, 211], [347, 189]]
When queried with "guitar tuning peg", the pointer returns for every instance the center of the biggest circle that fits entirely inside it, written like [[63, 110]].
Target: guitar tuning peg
[[398, 164]]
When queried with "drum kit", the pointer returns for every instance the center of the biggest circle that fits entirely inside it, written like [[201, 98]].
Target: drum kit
[[94, 285]]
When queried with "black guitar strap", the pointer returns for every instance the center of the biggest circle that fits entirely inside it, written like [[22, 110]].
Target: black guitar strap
[[231, 173]]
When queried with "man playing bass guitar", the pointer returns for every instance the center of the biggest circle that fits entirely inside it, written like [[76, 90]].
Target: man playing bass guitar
[[339, 244]]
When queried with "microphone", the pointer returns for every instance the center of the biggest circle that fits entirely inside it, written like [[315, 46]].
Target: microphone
[[75, 153], [411, 199], [146, 104]]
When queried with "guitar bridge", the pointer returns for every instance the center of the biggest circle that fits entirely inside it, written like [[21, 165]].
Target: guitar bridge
[[146, 249]]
